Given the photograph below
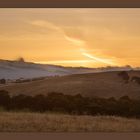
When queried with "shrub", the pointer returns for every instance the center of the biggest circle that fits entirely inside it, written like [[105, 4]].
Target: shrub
[[4, 99], [2, 81], [77, 104], [124, 75]]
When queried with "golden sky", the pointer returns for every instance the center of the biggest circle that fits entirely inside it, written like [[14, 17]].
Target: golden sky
[[71, 37]]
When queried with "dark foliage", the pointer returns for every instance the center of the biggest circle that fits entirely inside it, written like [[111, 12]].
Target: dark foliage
[[2, 81], [124, 75], [135, 79], [76, 104], [4, 99]]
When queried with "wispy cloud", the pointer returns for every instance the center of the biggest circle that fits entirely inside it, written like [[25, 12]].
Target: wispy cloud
[[105, 61], [45, 24], [50, 25], [75, 41], [80, 43]]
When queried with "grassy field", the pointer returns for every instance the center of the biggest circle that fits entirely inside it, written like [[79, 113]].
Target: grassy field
[[52, 122], [105, 84]]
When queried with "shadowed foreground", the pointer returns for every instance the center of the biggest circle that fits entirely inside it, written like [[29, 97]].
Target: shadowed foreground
[[49, 122]]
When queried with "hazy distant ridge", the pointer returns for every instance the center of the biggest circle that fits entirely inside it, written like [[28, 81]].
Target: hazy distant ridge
[[18, 69]]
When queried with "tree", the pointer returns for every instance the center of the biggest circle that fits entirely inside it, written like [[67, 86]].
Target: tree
[[2, 81], [20, 59], [21, 101], [4, 98], [135, 79], [40, 103], [124, 75], [124, 106]]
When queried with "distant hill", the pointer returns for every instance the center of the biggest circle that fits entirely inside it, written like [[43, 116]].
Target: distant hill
[[103, 84], [22, 69]]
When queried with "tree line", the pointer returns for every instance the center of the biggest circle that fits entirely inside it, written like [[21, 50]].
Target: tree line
[[76, 104]]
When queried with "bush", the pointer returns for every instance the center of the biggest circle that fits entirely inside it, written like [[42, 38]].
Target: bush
[[124, 75], [2, 81], [135, 79], [4, 99], [77, 104]]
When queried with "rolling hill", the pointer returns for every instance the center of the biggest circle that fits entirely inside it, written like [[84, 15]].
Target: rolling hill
[[21, 69], [104, 84]]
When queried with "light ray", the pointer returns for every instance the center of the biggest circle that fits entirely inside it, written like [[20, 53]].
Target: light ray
[[98, 59], [63, 61]]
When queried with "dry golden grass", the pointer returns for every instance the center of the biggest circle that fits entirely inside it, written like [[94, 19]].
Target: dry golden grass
[[49, 122], [105, 84]]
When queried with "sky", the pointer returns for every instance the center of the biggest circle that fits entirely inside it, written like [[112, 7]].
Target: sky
[[71, 37]]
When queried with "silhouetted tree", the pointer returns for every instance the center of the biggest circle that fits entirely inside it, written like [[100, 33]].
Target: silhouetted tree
[[72, 104], [124, 105], [4, 99], [40, 103], [2, 81], [58, 102], [21, 101], [124, 75], [20, 59], [135, 79]]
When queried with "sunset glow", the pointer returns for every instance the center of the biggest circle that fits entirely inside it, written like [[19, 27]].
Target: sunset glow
[[71, 37]]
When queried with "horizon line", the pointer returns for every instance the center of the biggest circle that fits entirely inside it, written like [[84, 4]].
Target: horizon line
[[39, 62]]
